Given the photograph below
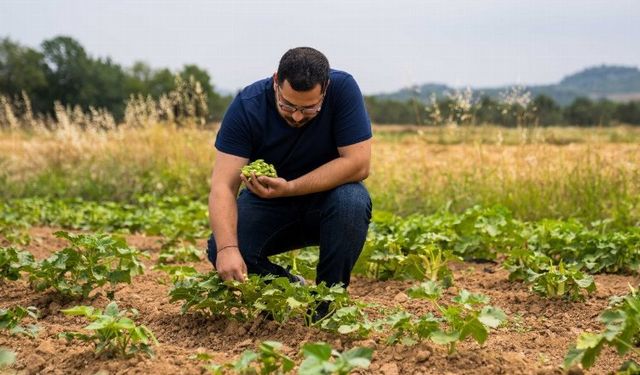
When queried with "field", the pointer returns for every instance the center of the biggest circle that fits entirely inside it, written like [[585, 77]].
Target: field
[[544, 223]]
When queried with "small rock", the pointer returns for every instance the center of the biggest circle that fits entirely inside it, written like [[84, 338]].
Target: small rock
[[245, 343], [423, 355], [46, 347], [389, 369], [369, 343], [401, 297], [337, 344], [575, 370]]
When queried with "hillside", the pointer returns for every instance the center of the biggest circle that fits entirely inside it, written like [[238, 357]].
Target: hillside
[[618, 83]]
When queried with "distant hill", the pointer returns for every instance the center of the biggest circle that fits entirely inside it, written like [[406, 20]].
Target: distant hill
[[618, 83]]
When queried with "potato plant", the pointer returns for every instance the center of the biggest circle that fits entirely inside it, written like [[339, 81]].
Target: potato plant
[[546, 278], [180, 254], [621, 331], [258, 168], [277, 298], [13, 262], [11, 318], [319, 359], [469, 315], [267, 360], [7, 357], [112, 331], [91, 261]]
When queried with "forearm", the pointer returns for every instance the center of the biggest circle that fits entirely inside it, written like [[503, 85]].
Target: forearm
[[334, 173], [223, 216]]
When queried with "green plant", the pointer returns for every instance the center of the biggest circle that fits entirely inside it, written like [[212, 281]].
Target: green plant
[[13, 261], [268, 360], [621, 331], [546, 278], [182, 254], [259, 168], [321, 359], [7, 357], [11, 318], [113, 331], [91, 261], [277, 297], [468, 316], [559, 281]]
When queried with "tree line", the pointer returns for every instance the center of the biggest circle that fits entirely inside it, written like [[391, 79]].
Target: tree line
[[61, 70], [540, 111]]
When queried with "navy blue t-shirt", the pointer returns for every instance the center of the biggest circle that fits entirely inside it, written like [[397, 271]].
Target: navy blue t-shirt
[[252, 127]]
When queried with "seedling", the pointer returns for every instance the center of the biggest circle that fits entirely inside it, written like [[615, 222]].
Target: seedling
[[321, 359], [461, 319], [113, 332], [11, 318], [622, 331], [268, 360], [14, 261], [91, 261]]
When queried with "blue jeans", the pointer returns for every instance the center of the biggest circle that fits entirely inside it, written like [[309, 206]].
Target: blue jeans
[[336, 220]]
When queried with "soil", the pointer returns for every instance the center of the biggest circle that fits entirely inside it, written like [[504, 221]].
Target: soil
[[534, 341]]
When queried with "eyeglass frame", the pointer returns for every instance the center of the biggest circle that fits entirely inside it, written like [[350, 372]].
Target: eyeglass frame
[[290, 108]]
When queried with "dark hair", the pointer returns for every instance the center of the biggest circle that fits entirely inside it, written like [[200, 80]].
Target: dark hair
[[304, 68]]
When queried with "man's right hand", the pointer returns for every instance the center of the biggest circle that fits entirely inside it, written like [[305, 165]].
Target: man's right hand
[[230, 265]]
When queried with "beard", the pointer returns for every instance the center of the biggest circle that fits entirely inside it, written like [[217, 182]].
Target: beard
[[295, 124]]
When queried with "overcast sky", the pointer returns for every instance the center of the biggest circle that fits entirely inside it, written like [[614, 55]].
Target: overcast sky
[[386, 45]]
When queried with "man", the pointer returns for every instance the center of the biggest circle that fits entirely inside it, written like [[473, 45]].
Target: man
[[310, 122]]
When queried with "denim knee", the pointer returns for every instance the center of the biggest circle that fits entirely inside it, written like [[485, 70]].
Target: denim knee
[[351, 202]]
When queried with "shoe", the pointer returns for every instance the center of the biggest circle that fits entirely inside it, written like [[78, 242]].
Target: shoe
[[298, 279], [321, 312]]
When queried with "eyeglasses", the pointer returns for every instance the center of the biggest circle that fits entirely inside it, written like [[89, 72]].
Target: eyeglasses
[[289, 108]]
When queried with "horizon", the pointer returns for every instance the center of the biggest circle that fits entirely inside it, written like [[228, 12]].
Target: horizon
[[525, 43]]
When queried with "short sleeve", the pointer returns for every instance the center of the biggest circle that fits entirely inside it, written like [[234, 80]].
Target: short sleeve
[[351, 121], [234, 136]]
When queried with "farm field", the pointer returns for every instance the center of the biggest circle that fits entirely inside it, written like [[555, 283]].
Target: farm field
[[544, 225]]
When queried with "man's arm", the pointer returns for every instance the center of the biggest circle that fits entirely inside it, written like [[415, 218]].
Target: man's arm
[[223, 215], [352, 165]]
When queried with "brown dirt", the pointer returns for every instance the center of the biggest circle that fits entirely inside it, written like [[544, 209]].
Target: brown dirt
[[534, 341]]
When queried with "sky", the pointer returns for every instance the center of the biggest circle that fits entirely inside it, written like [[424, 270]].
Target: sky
[[385, 45]]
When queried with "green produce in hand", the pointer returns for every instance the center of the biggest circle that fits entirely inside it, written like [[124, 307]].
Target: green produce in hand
[[259, 168]]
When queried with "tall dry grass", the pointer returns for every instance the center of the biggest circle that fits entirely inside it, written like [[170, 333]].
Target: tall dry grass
[[588, 180]]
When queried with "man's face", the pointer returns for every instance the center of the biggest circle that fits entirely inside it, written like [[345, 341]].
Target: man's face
[[297, 107]]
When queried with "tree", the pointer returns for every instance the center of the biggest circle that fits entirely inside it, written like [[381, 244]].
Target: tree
[[23, 69], [547, 111]]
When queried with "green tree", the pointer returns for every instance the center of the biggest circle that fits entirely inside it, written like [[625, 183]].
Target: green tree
[[547, 111], [23, 69], [628, 113]]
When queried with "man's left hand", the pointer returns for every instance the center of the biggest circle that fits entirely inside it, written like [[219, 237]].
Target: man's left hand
[[267, 187]]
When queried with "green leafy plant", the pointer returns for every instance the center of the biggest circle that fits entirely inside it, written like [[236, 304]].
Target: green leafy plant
[[469, 315], [112, 331], [259, 168], [276, 297], [91, 261], [182, 254], [7, 357], [176, 273], [546, 278], [11, 318], [621, 331], [268, 360], [14, 261], [559, 281], [321, 359]]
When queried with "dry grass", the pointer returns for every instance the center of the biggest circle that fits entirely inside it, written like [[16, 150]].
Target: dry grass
[[589, 180]]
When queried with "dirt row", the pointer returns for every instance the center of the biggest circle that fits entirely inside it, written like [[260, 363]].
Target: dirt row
[[534, 341]]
